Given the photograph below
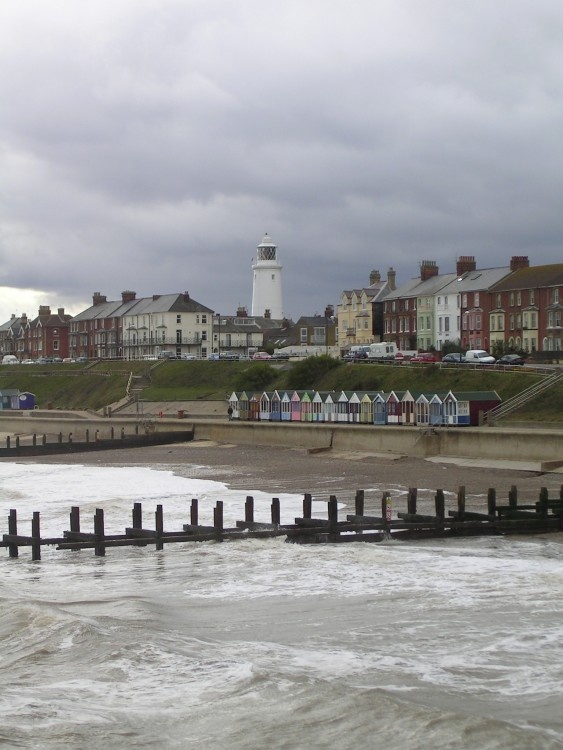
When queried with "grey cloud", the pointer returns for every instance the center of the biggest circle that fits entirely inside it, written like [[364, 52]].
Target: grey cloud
[[151, 144]]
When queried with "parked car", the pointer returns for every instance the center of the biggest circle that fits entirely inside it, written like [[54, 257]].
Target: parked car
[[213, 357], [510, 360], [424, 357], [454, 358], [10, 359], [189, 357], [68, 360], [232, 356], [479, 357], [280, 355], [261, 355]]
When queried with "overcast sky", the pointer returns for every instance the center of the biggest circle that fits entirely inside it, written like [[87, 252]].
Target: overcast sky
[[149, 144]]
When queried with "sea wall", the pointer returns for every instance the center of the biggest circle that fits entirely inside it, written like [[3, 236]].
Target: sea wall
[[500, 443]]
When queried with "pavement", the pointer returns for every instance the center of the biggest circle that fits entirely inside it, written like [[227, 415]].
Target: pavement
[[483, 463]]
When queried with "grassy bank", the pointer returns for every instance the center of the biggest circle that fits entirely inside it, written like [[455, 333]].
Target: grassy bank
[[94, 386]]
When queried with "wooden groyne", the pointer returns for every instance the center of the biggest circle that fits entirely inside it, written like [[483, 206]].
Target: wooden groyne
[[539, 517], [34, 445]]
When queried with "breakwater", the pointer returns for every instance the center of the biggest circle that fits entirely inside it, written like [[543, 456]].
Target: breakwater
[[541, 516]]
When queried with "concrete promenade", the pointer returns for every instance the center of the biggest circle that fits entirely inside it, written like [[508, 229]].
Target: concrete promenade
[[541, 449]]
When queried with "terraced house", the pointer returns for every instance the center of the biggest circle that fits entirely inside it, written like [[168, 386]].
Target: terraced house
[[133, 328], [527, 309], [360, 311]]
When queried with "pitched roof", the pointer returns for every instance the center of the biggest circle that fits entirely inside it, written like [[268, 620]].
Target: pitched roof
[[531, 278]]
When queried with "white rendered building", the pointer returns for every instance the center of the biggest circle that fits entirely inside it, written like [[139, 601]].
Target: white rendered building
[[266, 283]]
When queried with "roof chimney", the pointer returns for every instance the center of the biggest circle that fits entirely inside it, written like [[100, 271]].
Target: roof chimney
[[428, 269], [98, 299], [242, 312], [374, 277], [519, 261], [44, 310], [128, 296], [61, 312], [464, 264], [391, 275], [329, 311]]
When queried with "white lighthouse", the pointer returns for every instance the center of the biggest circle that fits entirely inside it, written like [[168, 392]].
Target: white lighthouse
[[266, 283]]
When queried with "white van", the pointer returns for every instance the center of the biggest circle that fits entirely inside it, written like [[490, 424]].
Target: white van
[[479, 357], [10, 359]]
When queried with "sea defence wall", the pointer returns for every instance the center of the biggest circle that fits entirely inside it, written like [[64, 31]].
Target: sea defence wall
[[497, 443], [478, 442]]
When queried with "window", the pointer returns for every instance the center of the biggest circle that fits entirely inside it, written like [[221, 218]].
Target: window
[[439, 300], [428, 326], [519, 298], [476, 298], [464, 300], [519, 321], [556, 296], [499, 300], [532, 297], [303, 335], [204, 335], [204, 319], [179, 336], [533, 322], [511, 299], [477, 322], [512, 322], [446, 300], [178, 319], [447, 324]]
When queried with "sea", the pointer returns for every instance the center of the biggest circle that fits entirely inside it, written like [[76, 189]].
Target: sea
[[262, 644]]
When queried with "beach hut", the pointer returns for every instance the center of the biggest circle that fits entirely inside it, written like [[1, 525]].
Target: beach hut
[[407, 409], [9, 398], [234, 404], [275, 407], [354, 406], [307, 406], [379, 408], [285, 404], [435, 410], [342, 407], [393, 407], [422, 408], [476, 403], [254, 407], [295, 406], [366, 408], [329, 409], [265, 406], [26, 400], [318, 407], [243, 405]]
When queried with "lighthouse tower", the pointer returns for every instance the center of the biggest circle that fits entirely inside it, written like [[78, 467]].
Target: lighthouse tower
[[266, 284]]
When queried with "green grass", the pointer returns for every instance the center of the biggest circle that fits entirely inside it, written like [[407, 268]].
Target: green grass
[[77, 387]]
